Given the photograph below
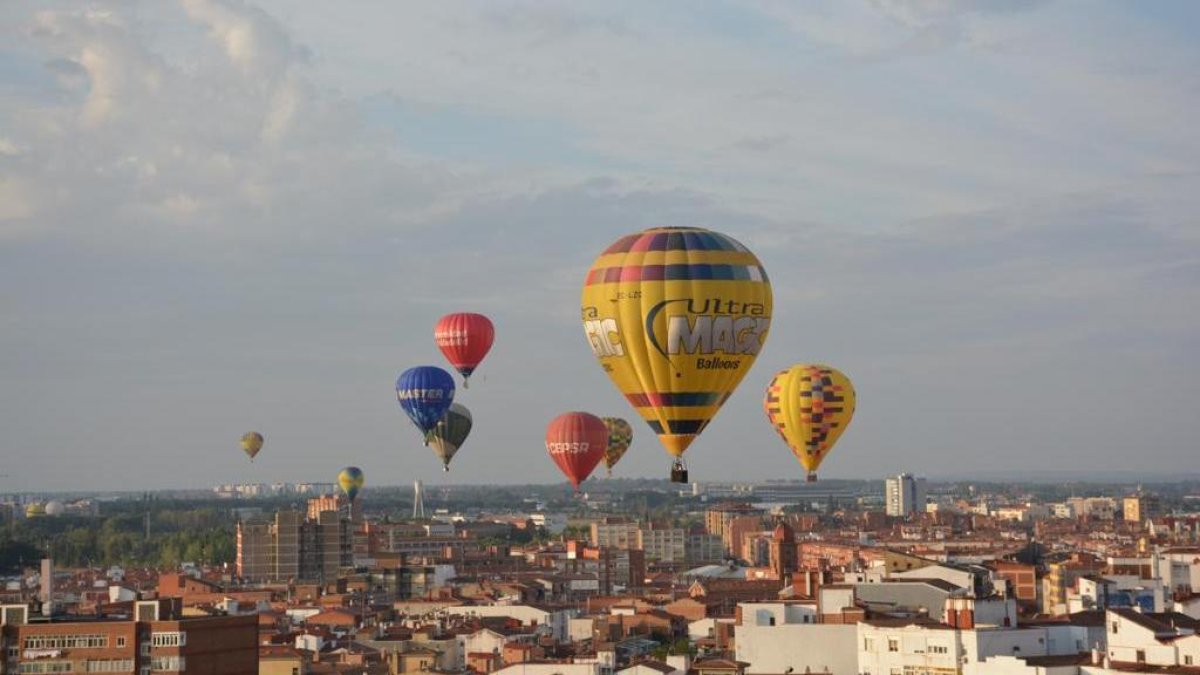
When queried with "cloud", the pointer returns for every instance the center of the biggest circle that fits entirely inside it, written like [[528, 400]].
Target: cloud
[[228, 230], [253, 40]]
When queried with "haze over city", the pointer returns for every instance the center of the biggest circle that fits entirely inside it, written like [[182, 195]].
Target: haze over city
[[222, 216]]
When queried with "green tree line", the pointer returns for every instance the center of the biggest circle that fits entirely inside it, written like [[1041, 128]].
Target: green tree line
[[202, 536]]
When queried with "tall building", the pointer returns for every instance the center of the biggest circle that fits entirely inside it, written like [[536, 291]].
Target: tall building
[[615, 532], [158, 639], [663, 544], [295, 547], [701, 548], [732, 522], [783, 552], [905, 495], [1140, 507], [334, 502]]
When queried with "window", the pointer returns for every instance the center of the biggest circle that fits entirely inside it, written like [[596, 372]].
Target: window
[[172, 639], [868, 644], [1115, 624], [1141, 656], [938, 649], [66, 642], [117, 666], [120, 640], [1187, 660], [893, 645], [167, 663], [45, 667]]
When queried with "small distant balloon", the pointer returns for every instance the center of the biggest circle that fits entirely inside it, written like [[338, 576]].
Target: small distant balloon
[[450, 433], [620, 435], [425, 393], [464, 339], [351, 480], [810, 405], [576, 441], [252, 442]]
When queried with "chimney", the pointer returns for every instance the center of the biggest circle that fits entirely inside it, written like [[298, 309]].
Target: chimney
[[966, 619], [46, 591]]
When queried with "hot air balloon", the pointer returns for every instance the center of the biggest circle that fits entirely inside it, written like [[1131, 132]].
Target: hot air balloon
[[425, 393], [448, 436], [351, 480], [465, 339], [810, 406], [676, 317], [576, 442], [620, 435], [252, 442]]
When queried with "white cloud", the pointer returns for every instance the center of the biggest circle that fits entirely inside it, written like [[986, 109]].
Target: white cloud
[[213, 224]]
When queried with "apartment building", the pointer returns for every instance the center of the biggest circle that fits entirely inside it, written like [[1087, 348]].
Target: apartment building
[[157, 639]]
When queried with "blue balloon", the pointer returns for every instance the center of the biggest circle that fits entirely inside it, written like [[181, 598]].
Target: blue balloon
[[425, 393]]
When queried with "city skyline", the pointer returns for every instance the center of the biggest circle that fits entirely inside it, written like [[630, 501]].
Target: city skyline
[[223, 216]]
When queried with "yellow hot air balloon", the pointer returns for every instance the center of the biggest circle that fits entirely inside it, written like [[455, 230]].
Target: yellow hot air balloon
[[810, 406], [252, 442], [676, 316], [351, 480]]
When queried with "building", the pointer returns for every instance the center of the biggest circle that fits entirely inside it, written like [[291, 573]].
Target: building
[[334, 502], [1140, 507], [786, 638], [717, 517], [663, 545], [613, 569], [293, 547], [782, 552], [904, 495], [701, 547], [615, 533], [158, 639], [1061, 576]]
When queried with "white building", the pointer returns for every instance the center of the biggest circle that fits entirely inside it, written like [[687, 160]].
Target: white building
[[778, 637], [904, 495], [488, 641], [889, 646]]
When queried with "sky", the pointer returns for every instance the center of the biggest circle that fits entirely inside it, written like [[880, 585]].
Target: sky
[[219, 215]]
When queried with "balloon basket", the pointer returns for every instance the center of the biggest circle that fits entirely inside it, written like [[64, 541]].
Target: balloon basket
[[812, 478], [679, 474]]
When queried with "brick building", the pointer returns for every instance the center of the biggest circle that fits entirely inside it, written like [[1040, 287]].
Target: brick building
[[157, 639]]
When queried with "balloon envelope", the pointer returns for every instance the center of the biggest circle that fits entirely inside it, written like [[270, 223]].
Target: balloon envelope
[[450, 433], [620, 435], [351, 480], [252, 442], [576, 441], [676, 317], [810, 406], [425, 393], [464, 339]]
